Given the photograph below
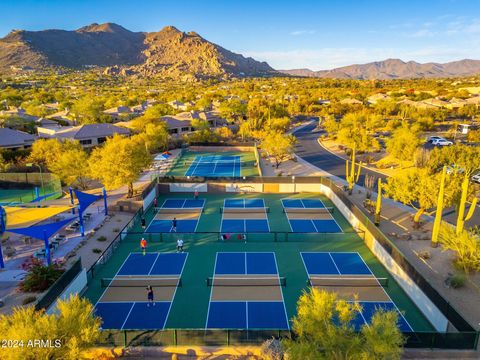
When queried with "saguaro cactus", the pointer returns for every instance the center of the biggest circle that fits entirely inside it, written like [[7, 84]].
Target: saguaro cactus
[[351, 173], [438, 214], [461, 207], [378, 206]]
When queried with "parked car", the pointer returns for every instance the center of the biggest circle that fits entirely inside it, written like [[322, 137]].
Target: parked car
[[431, 139], [476, 178], [442, 142]]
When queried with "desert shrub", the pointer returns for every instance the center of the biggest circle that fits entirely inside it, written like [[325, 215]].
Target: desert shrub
[[102, 238], [457, 281], [97, 251], [39, 276], [272, 349]]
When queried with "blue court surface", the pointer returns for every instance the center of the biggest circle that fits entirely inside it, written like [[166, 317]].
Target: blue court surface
[[251, 263], [265, 315], [137, 315], [243, 203], [302, 204], [245, 225], [183, 225], [215, 166], [350, 263], [314, 226]]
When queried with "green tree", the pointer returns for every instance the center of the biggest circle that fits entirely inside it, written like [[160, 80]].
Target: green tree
[[461, 156], [202, 132], [416, 188], [324, 330], [278, 146], [71, 166], [74, 327], [354, 133], [156, 137], [89, 110], [403, 143], [119, 162]]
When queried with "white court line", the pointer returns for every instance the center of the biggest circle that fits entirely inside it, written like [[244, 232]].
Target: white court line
[[114, 276], [315, 226], [246, 314], [393, 302], [126, 318], [281, 291], [175, 292], [151, 268], [334, 263], [246, 267], [211, 290]]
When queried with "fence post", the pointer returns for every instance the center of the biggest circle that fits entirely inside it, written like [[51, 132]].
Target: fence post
[[228, 337], [124, 338], [175, 337]]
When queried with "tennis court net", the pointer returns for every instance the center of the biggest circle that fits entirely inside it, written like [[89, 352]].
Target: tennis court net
[[220, 163], [141, 282], [360, 281], [179, 210], [249, 210], [323, 210], [247, 281]]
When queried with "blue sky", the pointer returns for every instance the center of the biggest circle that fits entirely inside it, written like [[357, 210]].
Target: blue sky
[[318, 35]]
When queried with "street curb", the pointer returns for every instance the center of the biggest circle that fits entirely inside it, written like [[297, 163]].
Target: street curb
[[363, 165]]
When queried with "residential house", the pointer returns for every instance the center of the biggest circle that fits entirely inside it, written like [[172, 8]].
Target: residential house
[[373, 99], [14, 139], [178, 105], [88, 135], [17, 113], [119, 113], [64, 116], [350, 101], [181, 123], [456, 103]]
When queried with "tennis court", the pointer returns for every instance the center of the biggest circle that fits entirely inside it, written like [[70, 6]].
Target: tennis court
[[310, 216], [187, 212], [241, 216], [124, 305], [347, 274], [246, 292], [265, 276], [215, 166]]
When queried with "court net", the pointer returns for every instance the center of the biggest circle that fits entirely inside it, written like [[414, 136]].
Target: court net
[[326, 281], [226, 163], [323, 210], [179, 210], [249, 210], [141, 282], [247, 281]]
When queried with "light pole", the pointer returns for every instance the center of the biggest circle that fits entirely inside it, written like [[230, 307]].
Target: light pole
[[41, 174]]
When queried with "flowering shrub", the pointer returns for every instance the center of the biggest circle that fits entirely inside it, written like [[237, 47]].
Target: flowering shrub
[[39, 276]]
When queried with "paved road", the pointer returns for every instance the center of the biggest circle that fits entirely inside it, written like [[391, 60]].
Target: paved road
[[309, 149]]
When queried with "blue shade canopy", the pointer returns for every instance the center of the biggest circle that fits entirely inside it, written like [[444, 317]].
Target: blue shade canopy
[[85, 200], [3, 220], [40, 198], [39, 231]]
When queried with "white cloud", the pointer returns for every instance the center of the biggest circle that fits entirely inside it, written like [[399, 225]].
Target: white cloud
[[422, 33], [329, 58], [302, 32]]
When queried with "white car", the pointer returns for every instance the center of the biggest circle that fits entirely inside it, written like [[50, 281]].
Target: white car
[[431, 139], [476, 178], [442, 142]]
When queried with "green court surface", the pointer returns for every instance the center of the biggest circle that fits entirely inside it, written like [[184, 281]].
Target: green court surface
[[191, 301], [247, 158], [27, 195]]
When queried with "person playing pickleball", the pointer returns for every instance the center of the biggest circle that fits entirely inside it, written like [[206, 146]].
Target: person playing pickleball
[[150, 295], [174, 224], [143, 245]]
